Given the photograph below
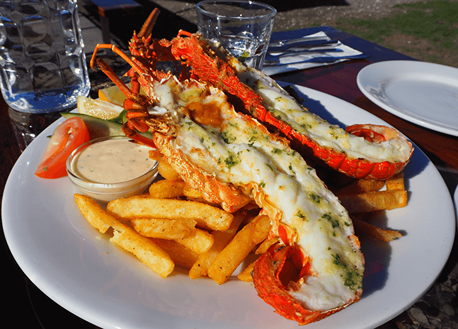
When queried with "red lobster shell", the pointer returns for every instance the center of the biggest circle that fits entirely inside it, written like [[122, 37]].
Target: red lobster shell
[[316, 269], [216, 66], [267, 279]]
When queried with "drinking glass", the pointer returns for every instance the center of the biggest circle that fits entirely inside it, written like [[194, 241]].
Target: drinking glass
[[42, 61], [242, 27]]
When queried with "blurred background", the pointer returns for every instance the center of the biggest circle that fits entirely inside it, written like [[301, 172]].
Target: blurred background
[[425, 30]]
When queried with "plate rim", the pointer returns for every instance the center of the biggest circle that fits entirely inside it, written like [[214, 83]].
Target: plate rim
[[416, 119], [85, 314]]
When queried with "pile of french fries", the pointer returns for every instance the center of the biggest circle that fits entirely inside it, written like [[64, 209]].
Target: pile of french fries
[[172, 225]]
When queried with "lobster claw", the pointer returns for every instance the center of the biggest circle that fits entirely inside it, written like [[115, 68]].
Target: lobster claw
[[276, 274]]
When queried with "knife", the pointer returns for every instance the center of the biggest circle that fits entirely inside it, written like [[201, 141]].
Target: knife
[[322, 59], [283, 45], [298, 51]]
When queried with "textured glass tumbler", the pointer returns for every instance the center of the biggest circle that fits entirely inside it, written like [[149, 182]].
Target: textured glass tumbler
[[42, 60], [242, 27]]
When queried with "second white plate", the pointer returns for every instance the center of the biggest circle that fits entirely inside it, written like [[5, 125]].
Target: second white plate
[[422, 93]]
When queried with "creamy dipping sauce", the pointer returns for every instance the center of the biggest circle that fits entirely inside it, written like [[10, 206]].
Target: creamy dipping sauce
[[113, 161]]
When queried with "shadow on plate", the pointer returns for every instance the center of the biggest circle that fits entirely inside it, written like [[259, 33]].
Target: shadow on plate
[[377, 255], [417, 164]]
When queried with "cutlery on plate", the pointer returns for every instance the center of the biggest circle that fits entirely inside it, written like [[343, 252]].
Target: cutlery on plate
[[284, 45], [298, 51], [320, 59], [283, 42]]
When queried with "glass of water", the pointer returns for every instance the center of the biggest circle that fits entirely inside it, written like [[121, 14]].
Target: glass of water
[[42, 62], [242, 27]]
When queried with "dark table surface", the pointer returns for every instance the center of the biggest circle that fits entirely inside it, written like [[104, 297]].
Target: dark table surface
[[438, 308]]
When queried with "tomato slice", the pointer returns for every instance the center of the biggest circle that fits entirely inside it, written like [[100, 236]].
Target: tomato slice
[[67, 137]]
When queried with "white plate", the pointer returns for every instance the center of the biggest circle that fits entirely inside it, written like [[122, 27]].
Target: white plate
[[422, 93], [83, 272], [456, 203]]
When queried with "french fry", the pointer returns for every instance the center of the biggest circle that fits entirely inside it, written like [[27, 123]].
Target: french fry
[[237, 250], [245, 275], [206, 216], [178, 253], [261, 229], [143, 195], [170, 229], [360, 186], [198, 241], [373, 201], [266, 244], [94, 214], [125, 237], [221, 239], [364, 228], [167, 189], [166, 171], [396, 182]]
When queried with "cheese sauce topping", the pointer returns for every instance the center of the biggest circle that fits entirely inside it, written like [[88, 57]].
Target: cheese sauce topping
[[285, 108], [113, 161], [242, 152]]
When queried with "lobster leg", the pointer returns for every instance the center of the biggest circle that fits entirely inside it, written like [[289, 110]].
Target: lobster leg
[[131, 95], [145, 31], [131, 133], [132, 104]]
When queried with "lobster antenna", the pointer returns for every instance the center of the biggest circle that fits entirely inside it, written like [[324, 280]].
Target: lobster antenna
[[147, 27]]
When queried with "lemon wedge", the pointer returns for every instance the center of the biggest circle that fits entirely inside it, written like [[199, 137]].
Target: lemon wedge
[[114, 95], [98, 108]]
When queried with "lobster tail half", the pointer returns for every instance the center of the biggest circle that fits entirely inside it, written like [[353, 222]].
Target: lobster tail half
[[277, 273]]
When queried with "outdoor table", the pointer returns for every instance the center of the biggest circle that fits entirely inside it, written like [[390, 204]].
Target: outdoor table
[[338, 80]]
